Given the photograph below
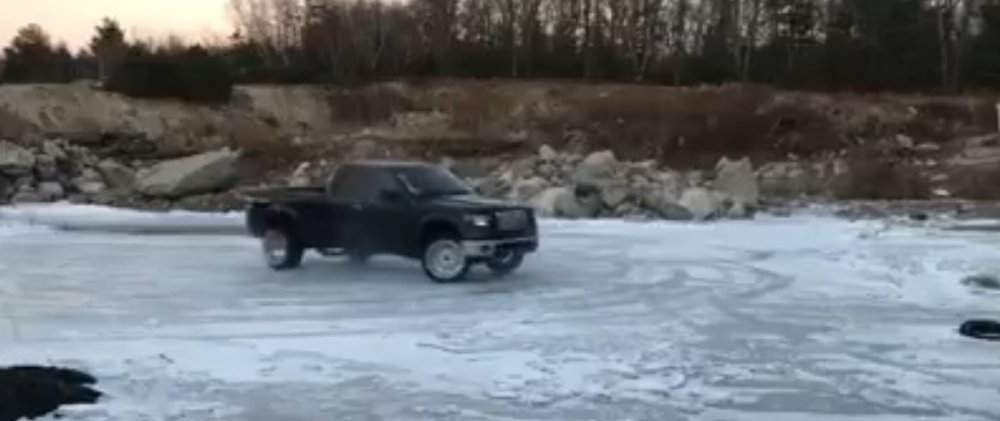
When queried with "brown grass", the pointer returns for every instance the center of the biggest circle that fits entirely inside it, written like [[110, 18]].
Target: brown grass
[[875, 176], [688, 127], [682, 127], [262, 143], [368, 105], [975, 183]]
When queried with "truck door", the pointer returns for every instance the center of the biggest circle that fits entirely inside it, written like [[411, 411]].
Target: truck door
[[390, 217], [345, 194]]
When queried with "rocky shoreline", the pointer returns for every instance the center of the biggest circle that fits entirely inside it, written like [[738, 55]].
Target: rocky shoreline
[[558, 184], [56, 170], [570, 185], [565, 185], [570, 150]]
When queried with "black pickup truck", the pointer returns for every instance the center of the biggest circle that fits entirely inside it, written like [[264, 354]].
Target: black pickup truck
[[410, 209]]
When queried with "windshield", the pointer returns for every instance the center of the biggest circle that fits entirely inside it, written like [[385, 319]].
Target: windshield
[[432, 181]]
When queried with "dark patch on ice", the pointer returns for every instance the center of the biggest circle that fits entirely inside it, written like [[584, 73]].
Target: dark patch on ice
[[34, 391], [982, 281], [981, 329]]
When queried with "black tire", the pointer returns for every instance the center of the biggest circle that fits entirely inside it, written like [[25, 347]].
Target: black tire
[[506, 263], [281, 248], [439, 268]]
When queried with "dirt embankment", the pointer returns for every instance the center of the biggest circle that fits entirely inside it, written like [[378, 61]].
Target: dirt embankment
[[850, 146]]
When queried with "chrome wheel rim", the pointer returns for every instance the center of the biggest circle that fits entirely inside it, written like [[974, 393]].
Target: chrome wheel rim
[[445, 259], [275, 247]]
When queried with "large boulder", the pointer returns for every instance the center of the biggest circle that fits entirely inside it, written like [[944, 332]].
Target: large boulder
[[660, 193], [27, 194], [666, 206], [614, 192], [89, 188], [702, 203], [547, 154], [527, 188], [738, 180], [566, 202], [787, 178], [204, 173], [51, 191], [15, 160], [595, 168], [601, 174], [54, 149], [116, 176], [46, 168], [580, 203], [545, 203]]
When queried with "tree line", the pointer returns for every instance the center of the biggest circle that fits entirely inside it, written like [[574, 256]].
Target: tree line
[[900, 45]]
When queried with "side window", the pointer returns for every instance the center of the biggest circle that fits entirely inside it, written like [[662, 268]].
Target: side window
[[364, 184], [377, 181], [345, 182]]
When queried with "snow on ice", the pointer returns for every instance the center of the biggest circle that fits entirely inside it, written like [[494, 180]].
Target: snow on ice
[[796, 318]]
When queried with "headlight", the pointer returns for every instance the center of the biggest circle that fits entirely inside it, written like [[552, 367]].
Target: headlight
[[478, 221]]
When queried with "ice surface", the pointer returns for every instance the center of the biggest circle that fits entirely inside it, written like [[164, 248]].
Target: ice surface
[[81, 217], [802, 318]]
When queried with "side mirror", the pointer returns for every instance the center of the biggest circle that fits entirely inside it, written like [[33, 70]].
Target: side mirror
[[392, 196]]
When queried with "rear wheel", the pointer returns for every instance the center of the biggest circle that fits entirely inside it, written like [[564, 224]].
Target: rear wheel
[[444, 259], [281, 249], [505, 262]]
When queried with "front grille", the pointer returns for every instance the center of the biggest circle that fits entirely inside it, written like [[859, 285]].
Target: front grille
[[512, 220]]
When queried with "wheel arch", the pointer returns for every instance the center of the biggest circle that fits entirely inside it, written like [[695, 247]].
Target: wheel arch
[[434, 227], [279, 217]]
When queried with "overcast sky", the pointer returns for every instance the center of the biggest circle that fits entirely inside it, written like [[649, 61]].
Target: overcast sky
[[73, 21]]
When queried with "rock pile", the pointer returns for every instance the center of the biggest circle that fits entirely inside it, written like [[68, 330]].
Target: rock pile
[[55, 170], [599, 185]]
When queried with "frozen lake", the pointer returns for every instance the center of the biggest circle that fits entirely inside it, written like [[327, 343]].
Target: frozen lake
[[802, 318]]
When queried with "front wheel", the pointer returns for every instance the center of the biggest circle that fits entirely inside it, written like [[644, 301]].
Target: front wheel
[[505, 262], [282, 251], [444, 260]]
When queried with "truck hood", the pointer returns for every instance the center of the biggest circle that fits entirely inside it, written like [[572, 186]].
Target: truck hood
[[472, 201]]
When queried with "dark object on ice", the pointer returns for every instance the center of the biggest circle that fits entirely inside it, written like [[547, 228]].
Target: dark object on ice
[[981, 329], [29, 392], [919, 216], [982, 281], [411, 209]]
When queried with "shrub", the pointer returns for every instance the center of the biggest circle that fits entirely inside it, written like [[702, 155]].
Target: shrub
[[975, 183], [191, 74], [367, 105], [871, 176]]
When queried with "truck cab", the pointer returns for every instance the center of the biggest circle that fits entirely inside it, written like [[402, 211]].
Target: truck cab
[[410, 209]]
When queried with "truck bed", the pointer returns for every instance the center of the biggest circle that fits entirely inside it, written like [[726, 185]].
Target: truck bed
[[285, 194]]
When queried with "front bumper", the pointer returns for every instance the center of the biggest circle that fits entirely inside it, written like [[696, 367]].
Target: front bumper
[[487, 248]]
